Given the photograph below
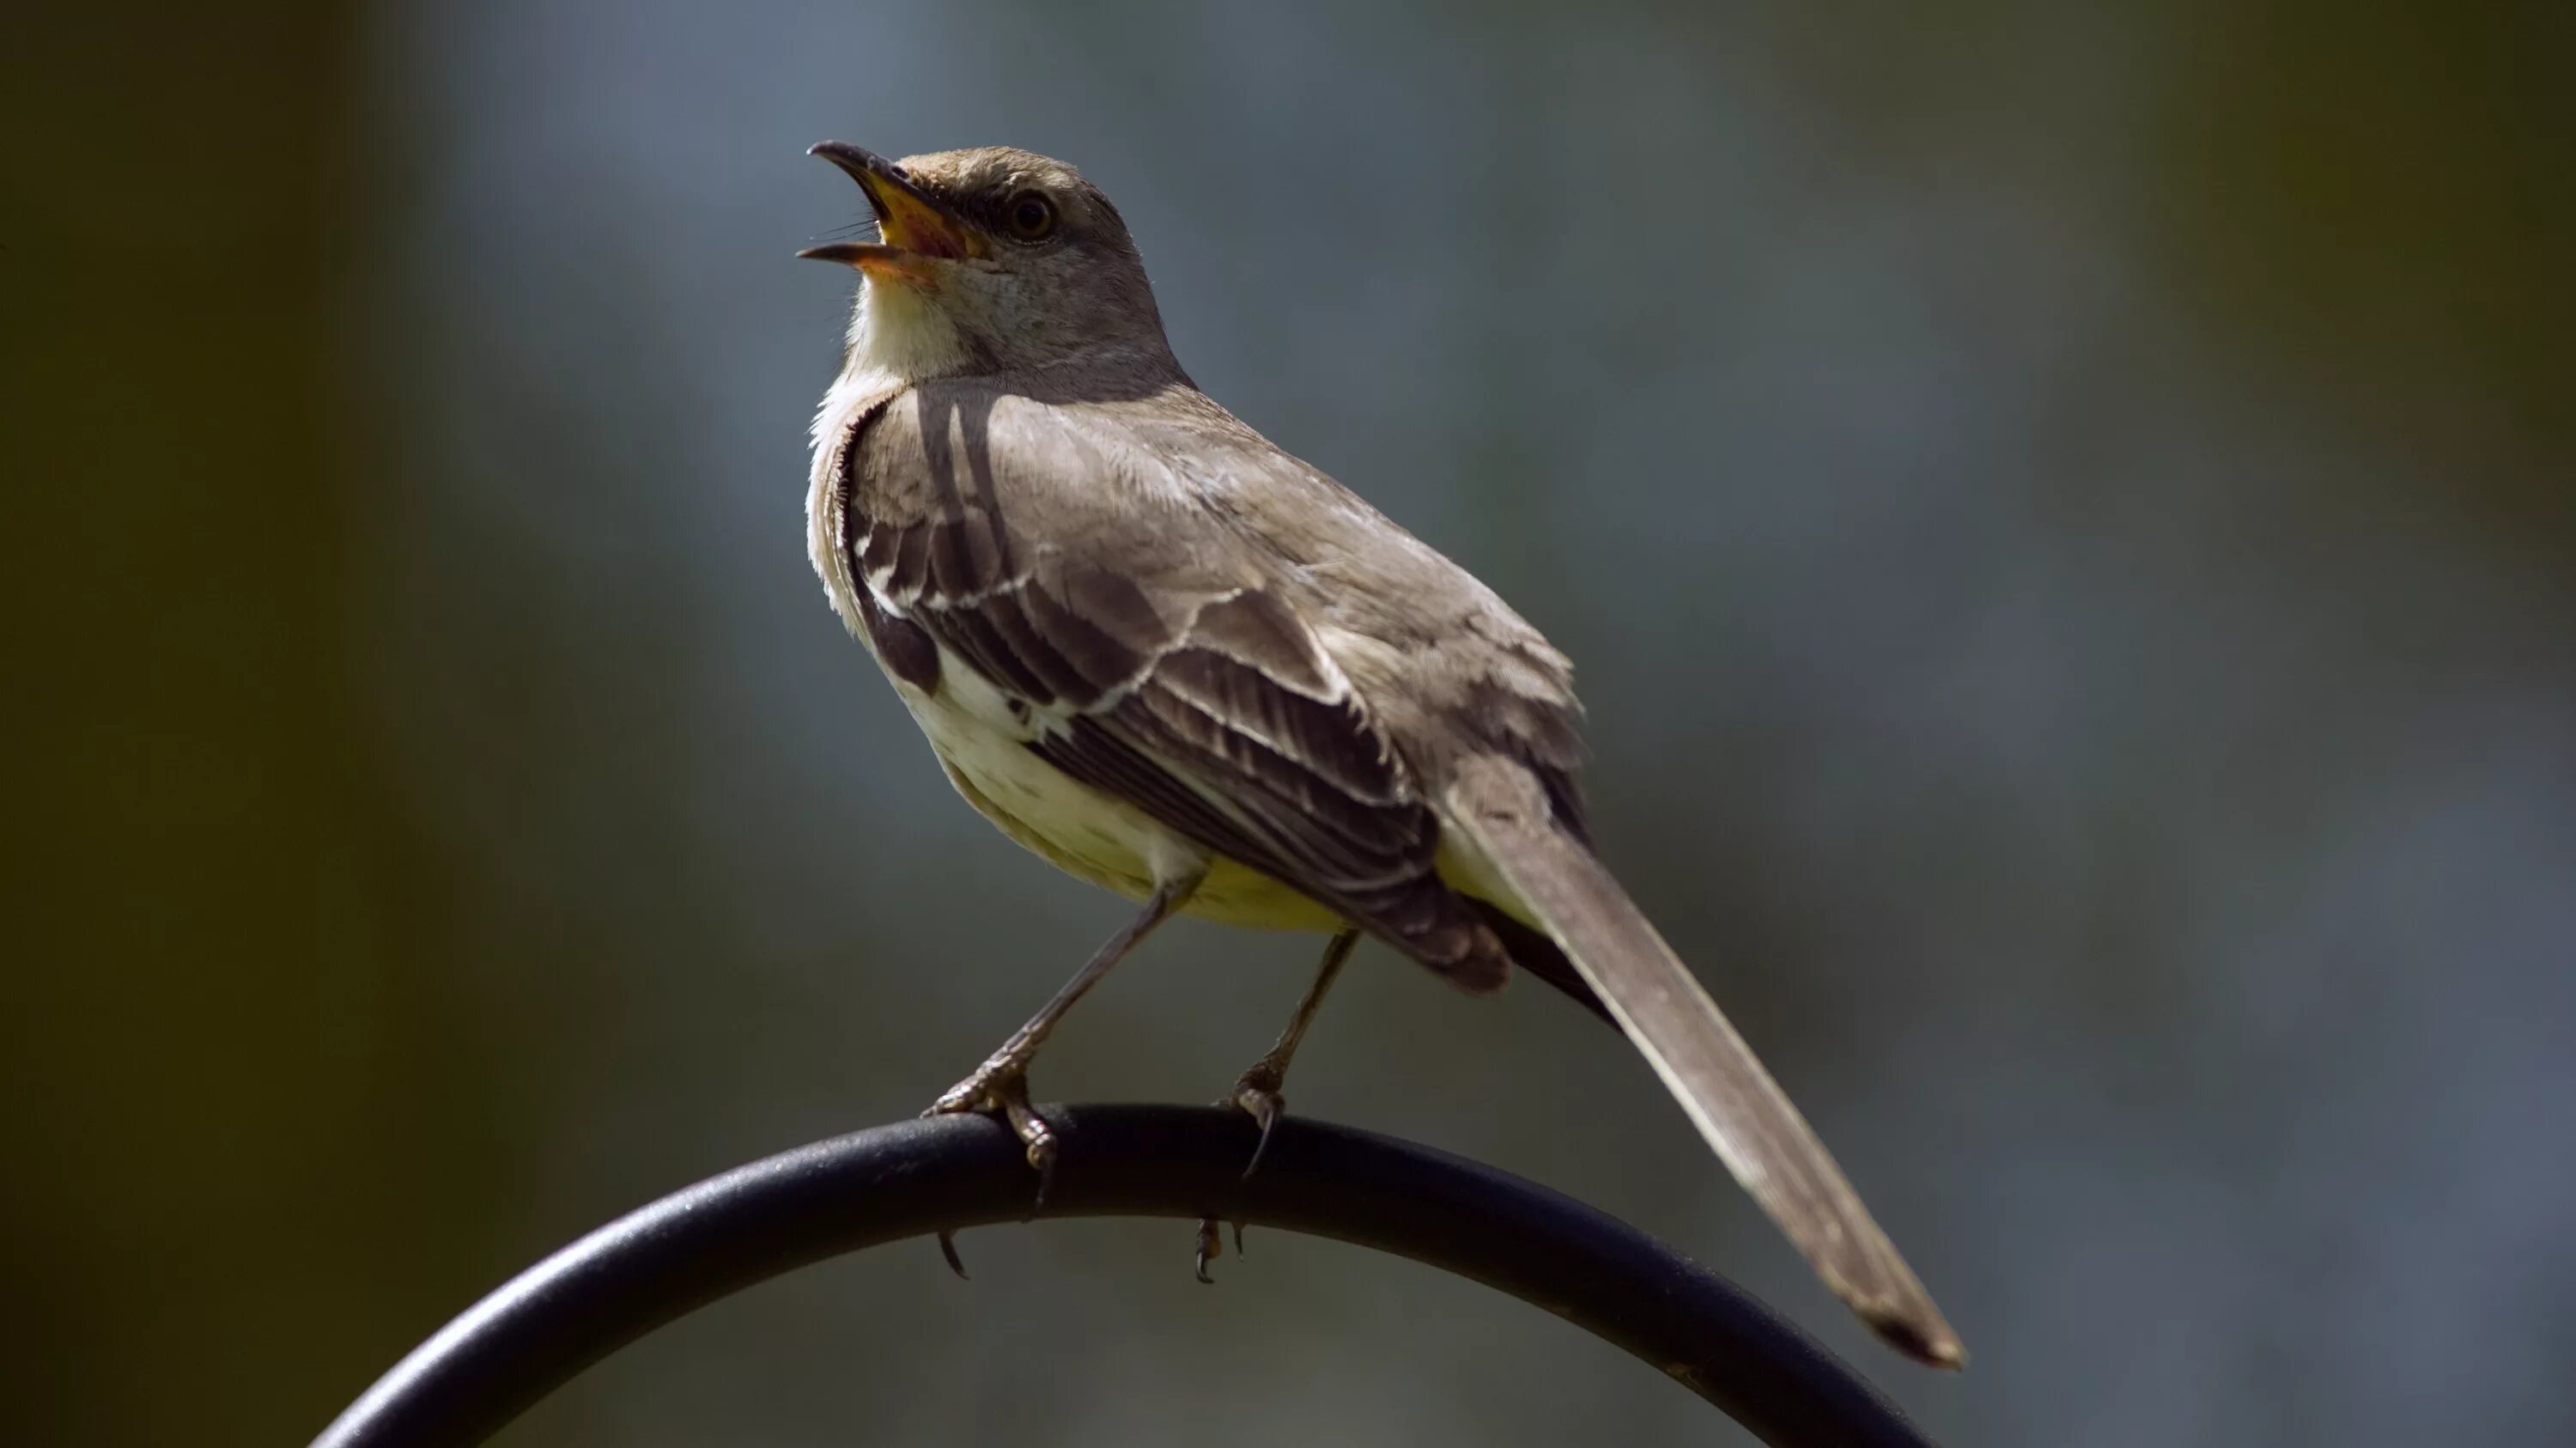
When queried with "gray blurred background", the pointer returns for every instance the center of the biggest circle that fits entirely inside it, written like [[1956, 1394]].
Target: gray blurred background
[[2064, 514]]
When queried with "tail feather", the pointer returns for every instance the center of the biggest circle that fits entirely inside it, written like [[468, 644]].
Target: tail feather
[[1532, 950], [1501, 811]]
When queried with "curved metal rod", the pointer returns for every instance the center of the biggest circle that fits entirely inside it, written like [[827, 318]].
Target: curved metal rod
[[917, 1177]]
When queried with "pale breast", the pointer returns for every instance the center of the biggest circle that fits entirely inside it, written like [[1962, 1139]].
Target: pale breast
[[982, 740], [984, 743]]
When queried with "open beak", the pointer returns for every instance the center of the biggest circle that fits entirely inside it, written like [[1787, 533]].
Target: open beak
[[915, 226]]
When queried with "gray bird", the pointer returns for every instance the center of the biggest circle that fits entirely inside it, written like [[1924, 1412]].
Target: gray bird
[[1181, 664]]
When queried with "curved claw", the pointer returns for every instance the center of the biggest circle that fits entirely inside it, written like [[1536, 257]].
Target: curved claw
[[1264, 1105], [967, 1095], [1210, 1246], [1256, 1094]]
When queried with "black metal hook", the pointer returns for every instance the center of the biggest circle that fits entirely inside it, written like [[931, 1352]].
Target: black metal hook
[[916, 1178]]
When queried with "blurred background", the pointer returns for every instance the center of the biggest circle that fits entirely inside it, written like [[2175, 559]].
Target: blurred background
[[2064, 513]]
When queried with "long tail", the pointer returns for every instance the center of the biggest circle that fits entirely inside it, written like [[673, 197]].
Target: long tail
[[1501, 811]]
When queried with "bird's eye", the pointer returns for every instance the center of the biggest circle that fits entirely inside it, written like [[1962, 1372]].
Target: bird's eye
[[1029, 215]]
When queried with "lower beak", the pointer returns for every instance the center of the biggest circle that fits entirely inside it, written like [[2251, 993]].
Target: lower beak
[[915, 225]]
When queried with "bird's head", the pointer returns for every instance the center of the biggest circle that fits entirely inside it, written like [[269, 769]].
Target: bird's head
[[990, 261]]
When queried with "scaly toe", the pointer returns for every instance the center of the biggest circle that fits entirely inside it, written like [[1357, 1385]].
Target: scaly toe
[[1037, 1139], [970, 1095]]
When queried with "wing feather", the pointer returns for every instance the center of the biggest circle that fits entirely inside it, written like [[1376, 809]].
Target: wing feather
[[1223, 721], [1153, 652]]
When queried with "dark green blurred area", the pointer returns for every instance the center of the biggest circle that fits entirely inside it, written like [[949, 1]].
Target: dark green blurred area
[[423, 851], [225, 1174]]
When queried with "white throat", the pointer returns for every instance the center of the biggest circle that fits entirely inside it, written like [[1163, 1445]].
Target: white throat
[[897, 337]]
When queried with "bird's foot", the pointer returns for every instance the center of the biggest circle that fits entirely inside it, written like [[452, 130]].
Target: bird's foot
[[1211, 1246], [1257, 1095], [1001, 1085]]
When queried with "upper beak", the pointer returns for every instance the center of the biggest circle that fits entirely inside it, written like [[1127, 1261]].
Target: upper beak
[[913, 223]]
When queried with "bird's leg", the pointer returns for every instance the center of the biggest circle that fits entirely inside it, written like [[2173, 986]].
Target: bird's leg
[[1002, 1082], [1257, 1090]]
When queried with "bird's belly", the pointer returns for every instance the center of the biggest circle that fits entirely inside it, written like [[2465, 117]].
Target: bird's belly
[[1082, 831]]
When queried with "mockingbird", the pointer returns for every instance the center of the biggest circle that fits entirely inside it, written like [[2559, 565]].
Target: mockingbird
[[1185, 666]]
